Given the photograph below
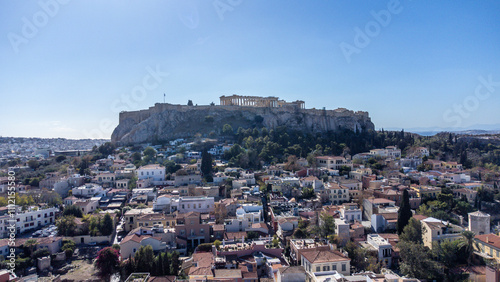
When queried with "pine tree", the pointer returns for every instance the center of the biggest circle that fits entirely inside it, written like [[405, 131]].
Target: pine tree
[[404, 212]]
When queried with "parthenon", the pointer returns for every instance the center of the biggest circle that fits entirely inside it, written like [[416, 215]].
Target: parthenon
[[256, 101]]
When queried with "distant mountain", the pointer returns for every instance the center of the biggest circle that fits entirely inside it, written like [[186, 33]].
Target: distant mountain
[[470, 130]]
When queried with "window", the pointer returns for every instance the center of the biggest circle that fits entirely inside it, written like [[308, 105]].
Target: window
[[318, 269], [334, 267], [343, 267], [202, 231], [183, 232], [326, 268]]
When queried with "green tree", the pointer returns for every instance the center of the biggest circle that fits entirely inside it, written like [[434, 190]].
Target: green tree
[[327, 226], [217, 244], [467, 242], [412, 232], [206, 164], [144, 259], [33, 164], [68, 247], [149, 152], [171, 166], [72, 210], [404, 212], [227, 130], [416, 261], [136, 157], [106, 226], [174, 264], [40, 253], [66, 225], [30, 246], [446, 252]]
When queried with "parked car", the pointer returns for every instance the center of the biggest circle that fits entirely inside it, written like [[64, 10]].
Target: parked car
[[37, 233]]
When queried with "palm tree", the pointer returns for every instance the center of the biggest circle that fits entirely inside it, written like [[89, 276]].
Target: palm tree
[[468, 243]]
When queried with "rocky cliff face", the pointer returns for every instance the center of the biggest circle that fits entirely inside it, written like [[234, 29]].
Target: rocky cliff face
[[167, 121]]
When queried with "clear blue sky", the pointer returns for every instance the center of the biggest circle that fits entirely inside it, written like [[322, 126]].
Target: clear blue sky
[[67, 69]]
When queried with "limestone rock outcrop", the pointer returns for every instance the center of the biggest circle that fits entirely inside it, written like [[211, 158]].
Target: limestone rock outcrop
[[166, 121]]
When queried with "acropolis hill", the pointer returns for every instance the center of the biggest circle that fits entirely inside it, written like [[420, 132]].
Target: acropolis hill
[[166, 121]]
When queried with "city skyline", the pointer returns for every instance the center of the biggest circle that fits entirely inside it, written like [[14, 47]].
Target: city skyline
[[69, 68]]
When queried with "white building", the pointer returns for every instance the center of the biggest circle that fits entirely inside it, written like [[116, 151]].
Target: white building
[[350, 212], [150, 193], [88, 190], [383, 247], [162, 203], [336, 193], [333, 162], [355, 186], [31, 219], [389, 152], [195, 204], [321, 260], [154, 171]]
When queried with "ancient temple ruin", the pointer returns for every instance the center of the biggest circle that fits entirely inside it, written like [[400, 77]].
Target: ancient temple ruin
[[256, 101]]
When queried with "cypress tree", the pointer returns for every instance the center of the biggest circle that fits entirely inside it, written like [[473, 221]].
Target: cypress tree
[[160, 266], [404, 212], [206, 165]]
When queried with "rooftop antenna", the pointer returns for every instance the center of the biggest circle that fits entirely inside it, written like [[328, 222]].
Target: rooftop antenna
[[164, 98]]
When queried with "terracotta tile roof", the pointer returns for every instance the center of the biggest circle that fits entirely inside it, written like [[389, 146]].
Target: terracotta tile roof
[[419, 217], [40, 241], [237, 235], [259, 225], [170, 278], [320, 256], [292, 269], [218, 227], [390, 216], [227, 273], [131, 237], [380, 201], [490, 239], [188, 214], [202, 264]]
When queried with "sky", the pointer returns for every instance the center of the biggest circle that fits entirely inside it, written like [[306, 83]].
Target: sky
[[67, 68]]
